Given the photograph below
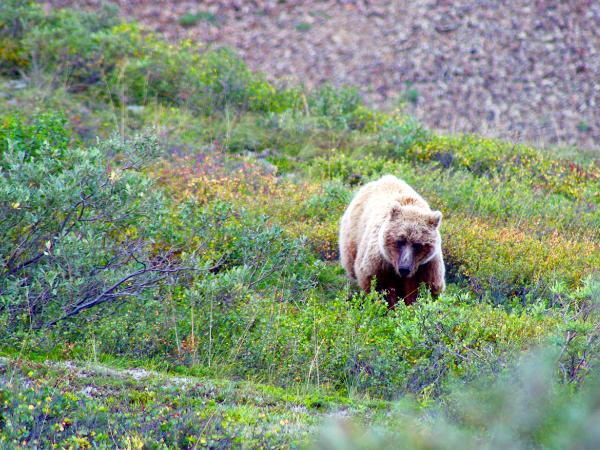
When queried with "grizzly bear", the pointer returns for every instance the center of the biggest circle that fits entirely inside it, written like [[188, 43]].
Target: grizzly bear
[[389, 233]]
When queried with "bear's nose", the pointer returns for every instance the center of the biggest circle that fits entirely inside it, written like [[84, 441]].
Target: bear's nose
[[404, 271]]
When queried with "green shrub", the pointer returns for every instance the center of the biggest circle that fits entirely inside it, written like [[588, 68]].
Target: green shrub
[[334, 197], [77, 48], [489, 157], [398, 134], [66, 406], [76, 232], [204, 81], [360, 347], [341, 108], [284, 333], [16, 18], [93, 51], [13, 59], [190, 19], [503, 261], [226, 80], [44, 130], [525, 408]]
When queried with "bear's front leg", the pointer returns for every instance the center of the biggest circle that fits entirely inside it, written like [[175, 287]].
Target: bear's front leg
[[366, 265], [392, 297], [382, 284], [433, 275], [387, 282], [365, 281], [411, 290]]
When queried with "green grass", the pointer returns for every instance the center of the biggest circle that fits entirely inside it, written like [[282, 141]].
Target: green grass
[[191, 19], [63, 404], [303, 26]]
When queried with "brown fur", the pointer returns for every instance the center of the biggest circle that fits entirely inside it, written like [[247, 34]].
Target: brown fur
[[389, 233]]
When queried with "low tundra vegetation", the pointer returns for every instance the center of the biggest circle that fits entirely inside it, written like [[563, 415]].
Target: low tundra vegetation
[[167, 208]]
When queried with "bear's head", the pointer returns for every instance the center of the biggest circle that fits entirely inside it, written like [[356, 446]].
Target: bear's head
[[410, 237]]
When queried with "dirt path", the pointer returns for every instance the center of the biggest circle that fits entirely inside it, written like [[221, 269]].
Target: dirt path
[[516, 69]]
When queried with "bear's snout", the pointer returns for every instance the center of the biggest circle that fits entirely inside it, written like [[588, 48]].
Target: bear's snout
[[405, 264], [404, 271]]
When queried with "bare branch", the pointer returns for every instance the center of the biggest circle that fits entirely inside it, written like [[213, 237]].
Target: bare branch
[[113, 293]]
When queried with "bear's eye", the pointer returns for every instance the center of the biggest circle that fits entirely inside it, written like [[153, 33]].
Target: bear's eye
[[418, 247], [401, 243]]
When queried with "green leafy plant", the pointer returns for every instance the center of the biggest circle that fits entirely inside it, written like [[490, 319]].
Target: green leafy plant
[[190, 19], [76, 233]]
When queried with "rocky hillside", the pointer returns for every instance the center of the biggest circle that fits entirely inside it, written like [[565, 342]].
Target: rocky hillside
[[526, 71]]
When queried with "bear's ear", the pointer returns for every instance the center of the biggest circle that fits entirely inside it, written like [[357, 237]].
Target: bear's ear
[[396, 211], [435, 218]]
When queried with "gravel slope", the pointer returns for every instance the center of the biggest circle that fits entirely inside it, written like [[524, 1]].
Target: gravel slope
[[527, 71]]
